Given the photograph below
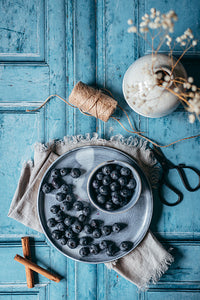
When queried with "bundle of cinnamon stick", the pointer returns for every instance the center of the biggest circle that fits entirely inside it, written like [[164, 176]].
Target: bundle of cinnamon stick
[[31, 266]]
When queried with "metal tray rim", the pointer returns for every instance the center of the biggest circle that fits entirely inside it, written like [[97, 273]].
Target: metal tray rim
[[150, 213]]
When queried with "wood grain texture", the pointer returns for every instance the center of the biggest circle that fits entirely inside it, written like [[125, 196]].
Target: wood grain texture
[[61, 43], [27, 254]]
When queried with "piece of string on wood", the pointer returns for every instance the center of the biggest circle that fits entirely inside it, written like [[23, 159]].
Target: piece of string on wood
[[114, 118]]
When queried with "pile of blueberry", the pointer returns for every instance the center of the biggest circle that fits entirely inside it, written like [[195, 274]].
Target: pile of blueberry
[[71, 222], [113, 186]]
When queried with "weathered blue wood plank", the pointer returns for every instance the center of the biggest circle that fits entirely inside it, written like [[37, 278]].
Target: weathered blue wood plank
[[55, 110], [22, 30]]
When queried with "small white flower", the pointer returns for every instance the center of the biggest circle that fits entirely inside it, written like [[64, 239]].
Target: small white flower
[[191, 118], [167, 78], [178, 39], [194, 43], [194, 88], [176, 90], [168, 43], [153, 10], [190, 79], [130, 21], [132, 29], [188, 85], [165, 84], [183, 43]]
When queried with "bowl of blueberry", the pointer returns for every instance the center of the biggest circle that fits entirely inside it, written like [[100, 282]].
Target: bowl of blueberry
[[114, 186]]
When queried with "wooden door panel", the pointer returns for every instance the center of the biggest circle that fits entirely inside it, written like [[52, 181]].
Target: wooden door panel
[[46, 47]]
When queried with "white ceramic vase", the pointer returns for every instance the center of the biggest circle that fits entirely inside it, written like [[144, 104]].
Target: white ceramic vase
[[141, 90]]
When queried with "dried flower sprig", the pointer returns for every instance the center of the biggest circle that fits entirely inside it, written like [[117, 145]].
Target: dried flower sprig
[[160, 26]]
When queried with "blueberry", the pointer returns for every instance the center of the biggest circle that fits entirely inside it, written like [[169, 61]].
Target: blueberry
[[54, 209], [64, 171], [82, 218], [63, 240], [96, 184], [101, 199], [115, 175], [123, 201], [104, 190], [106, 170], [84, 251], [60, 197], [106, 180], [103, 244], [96, 233], [64, 188], [125, 193], [78, 205], [126, 245], [55, 173], [94, 249], [75, 173], [65, 206], [69, 220], [72, 243], [116, 227], [85, 240], [123, 181], [99, 176], [111, 250], [69, 233], [132, 184], [61, 226], [46, 188], [59, 216], [57, 234], [77, 227], [94, 223], [116, 199], [56, 183], [88, 229], [51, 222], [86, 210], [69, 198], [106, 230], [114, 186], [125, 171], [109, 205]]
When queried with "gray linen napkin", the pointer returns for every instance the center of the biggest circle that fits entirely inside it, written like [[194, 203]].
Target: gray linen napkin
[[144, 264]]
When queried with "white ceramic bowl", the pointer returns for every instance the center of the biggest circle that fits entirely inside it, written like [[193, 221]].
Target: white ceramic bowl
[[134, 198]]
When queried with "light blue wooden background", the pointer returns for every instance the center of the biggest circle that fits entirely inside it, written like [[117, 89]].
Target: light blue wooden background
[[46, 46]]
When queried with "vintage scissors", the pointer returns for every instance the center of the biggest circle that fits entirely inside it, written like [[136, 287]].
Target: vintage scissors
[[166, 166]]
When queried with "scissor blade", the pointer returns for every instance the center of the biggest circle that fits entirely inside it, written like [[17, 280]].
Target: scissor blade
[[161, 158]]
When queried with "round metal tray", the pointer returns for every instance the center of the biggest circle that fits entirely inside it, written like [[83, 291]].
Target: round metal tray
[[137, 218]]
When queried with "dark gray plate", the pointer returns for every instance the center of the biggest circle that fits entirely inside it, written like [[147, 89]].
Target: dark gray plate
[[137, 218]]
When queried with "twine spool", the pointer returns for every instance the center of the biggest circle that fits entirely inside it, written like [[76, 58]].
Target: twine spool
[[92, 101]]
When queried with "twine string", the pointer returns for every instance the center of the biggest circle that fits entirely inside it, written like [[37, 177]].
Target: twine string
[[114, 118]]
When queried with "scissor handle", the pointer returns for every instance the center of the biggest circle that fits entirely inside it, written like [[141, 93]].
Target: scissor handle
[[163, 182], [180, 168]]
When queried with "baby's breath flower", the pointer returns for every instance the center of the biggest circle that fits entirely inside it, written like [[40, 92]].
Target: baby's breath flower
[[167, 78], [183, 43], [159, 75], [190, 79], [191, 118], [130, 21], [178, 39], [153, 10], [132, 29], [194, 88], [176, 90], [194, 43], [165, 84]]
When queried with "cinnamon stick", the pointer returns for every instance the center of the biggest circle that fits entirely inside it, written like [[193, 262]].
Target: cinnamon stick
[[28, 263], [27, 254]]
